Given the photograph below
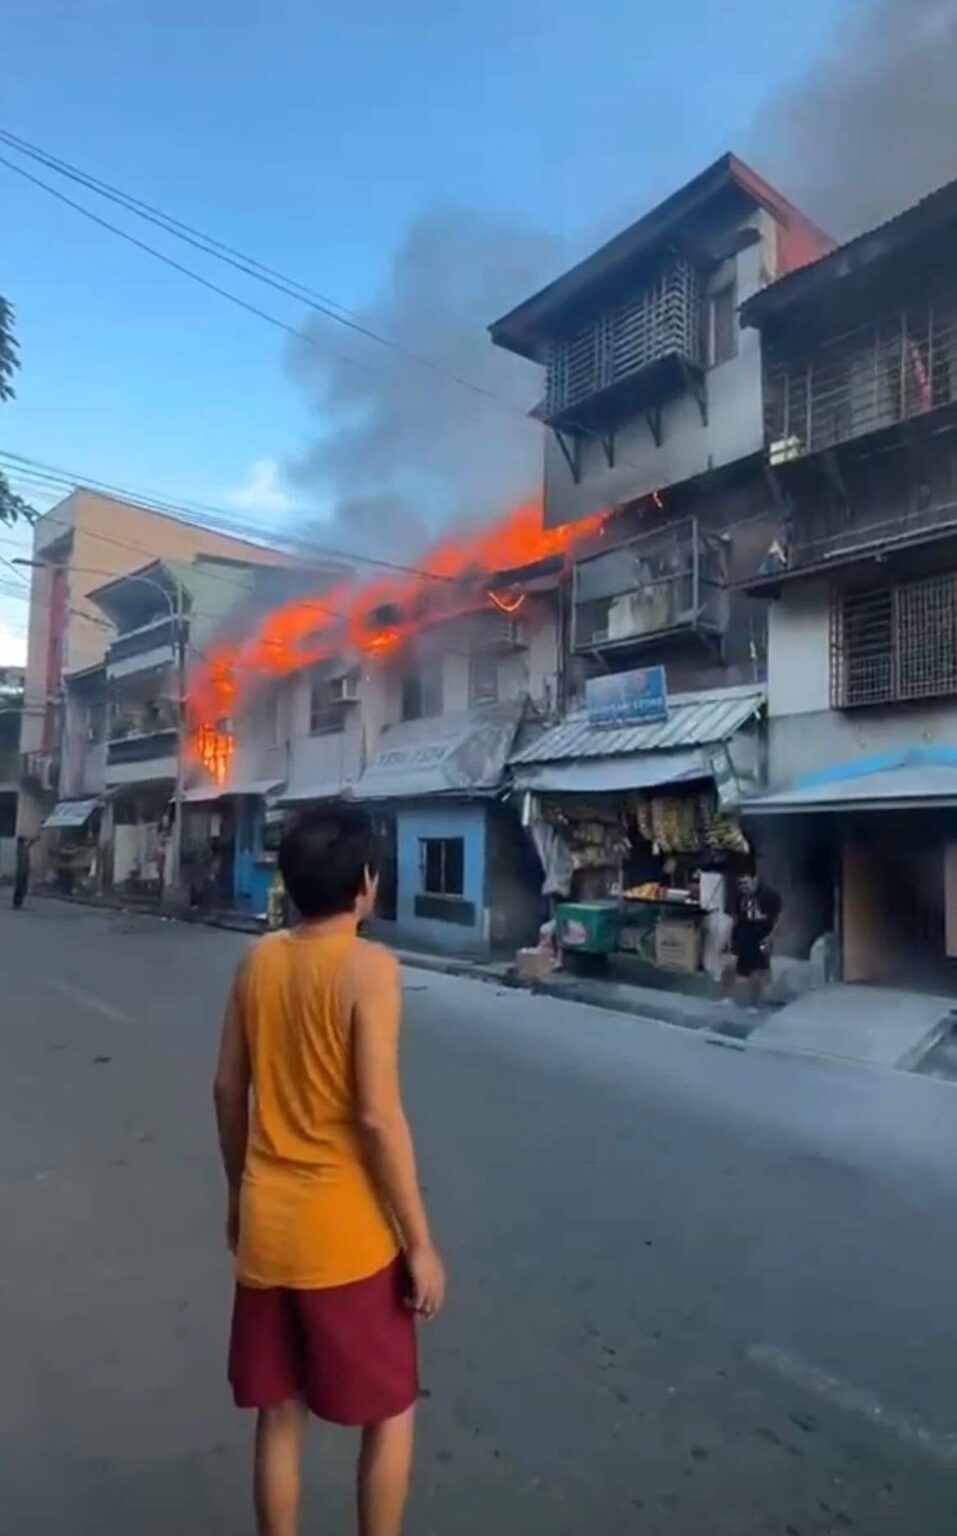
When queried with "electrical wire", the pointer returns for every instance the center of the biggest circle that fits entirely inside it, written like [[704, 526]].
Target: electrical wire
[[252, 269], [275, 279], [248, 265], [186, 511]]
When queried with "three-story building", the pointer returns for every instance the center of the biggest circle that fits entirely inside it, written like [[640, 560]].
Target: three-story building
[[653, 411], [860, 357]]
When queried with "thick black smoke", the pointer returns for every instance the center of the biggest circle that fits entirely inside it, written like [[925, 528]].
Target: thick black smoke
[[403, 450], [872, 125]]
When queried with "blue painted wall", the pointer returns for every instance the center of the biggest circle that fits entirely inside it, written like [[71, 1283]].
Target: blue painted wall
[[251, 879], [467, 822]]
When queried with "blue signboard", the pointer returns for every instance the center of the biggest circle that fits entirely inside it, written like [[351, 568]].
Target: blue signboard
[[627, 698]]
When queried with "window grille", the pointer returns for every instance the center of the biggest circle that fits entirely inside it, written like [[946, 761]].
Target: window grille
[[895, 644]]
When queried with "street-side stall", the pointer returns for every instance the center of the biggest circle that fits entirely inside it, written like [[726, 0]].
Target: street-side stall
[[231, 836], [636, 824], [646, 871], [70, 837]]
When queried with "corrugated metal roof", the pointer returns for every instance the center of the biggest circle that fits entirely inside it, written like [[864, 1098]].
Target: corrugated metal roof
[[870, 246], [611, 775], [205, 792], [456, 754], [892, 789], [330, 789], [71, 813], [694, 719]]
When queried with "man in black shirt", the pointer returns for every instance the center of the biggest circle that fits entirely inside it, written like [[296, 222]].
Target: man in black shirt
[[756, 916]]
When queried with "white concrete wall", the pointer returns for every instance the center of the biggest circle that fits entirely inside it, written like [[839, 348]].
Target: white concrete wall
[[799, 650], [804, 733], [83, 767], [304, 760], [333, 758], [150, 771]]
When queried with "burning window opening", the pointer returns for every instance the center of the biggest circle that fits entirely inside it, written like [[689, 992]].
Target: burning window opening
[[214, 749], [373, 618]]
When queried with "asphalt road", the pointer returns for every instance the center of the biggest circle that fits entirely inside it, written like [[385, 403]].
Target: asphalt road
[[696, 1291]]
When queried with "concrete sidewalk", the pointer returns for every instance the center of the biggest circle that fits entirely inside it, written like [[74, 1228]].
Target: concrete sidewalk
[[878, 1026]]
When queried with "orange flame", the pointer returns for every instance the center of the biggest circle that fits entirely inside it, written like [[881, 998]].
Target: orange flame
[[375, 617]]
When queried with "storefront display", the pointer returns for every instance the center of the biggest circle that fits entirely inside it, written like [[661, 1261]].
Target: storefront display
[[647, 872]]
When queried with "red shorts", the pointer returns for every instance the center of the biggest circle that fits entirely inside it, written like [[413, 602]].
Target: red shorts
[[349, 1350]]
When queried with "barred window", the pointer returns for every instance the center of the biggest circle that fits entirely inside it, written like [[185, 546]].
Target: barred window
[[894, 644]]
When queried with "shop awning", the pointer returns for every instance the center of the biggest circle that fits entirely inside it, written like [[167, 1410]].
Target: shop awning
[[203, 793], [694, 720], [610, 775], [299, 794], [916, 779], [70, 813], [457, 754]]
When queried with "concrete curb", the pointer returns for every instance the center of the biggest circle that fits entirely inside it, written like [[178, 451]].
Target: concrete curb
[[234, 922], [733, 1025]]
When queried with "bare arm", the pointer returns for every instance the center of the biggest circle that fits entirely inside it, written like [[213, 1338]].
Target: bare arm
[[231, 1098], [386, 1137]]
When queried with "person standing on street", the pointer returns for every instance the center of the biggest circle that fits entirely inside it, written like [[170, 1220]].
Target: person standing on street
[[21, 873], [334, 1255], [756, 917]]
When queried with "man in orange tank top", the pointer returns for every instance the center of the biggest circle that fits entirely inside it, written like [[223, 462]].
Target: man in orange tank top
[[334, 1256]]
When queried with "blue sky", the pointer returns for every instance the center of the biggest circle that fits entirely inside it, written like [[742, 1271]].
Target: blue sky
[[311, 135]]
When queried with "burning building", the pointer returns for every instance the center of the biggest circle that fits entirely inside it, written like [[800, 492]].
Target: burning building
[[406, 690]]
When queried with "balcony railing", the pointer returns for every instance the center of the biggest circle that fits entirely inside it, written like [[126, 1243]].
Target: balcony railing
[[663, 322], [160, 715], [161, 743], [670, 581], [832, 536], [148, 637], [142, 650], [889, 370]]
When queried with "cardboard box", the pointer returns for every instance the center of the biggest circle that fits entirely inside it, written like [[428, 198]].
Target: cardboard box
[[533, 964], [677, 944]]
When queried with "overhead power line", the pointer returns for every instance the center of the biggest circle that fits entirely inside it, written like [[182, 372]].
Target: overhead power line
[[259, 272], [339, 313], [190, 511]]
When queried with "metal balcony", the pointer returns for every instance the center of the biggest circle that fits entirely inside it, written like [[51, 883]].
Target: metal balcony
[[672, 581], [631, 356], [139, 650], [155, 718], [899, 367]]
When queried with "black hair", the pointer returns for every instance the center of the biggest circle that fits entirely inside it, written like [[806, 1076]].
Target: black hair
[[323, 858]]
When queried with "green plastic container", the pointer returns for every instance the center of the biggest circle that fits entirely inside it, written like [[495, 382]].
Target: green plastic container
[[587, 927]]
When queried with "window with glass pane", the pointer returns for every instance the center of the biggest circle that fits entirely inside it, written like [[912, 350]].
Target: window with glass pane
[[422, 692], [443, 865]]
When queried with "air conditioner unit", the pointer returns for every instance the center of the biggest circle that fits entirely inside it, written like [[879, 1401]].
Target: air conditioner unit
[[344, 690]]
